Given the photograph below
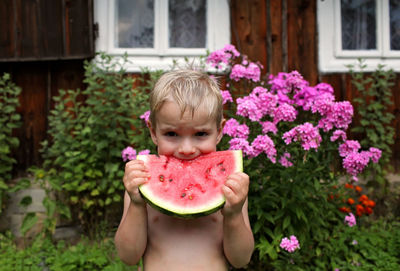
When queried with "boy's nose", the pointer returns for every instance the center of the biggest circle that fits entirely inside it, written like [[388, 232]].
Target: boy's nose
[[186, 147]]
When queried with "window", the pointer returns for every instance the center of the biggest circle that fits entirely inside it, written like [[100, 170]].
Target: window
[[352, 29], [154, 33]]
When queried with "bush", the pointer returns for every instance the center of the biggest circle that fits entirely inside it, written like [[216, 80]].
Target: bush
[[42, 254], [9, 120], [374, 101], [88, 129]]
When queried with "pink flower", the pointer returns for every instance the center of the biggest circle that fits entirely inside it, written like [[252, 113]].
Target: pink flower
[[375, 154], [350, 220], [336, 114], [339, 134], [306, 133], [287, 82], [285, 112], [251, 72], [305, 97], [284, 160], [324, 88], [219, 58], [145, 116], [238, 72], [231, 49], [226, 96], [128, 154], [247, 107], [349, 146], [342, 114], [240, 144], [263, 143], [266, 102], [230, 127], [291, 244], [355, 162], [234, 129], [319, 94], [322, 103], [268, 126]]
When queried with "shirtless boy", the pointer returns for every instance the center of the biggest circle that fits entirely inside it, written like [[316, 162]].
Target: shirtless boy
[[185, 121]]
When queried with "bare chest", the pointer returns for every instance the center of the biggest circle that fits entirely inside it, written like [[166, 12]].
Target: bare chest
[[191, 242]]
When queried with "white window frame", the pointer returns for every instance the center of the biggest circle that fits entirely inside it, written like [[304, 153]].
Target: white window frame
[[161, 57], [332, 58]]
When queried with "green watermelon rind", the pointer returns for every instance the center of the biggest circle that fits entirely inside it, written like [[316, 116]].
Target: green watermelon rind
[[175, 211]]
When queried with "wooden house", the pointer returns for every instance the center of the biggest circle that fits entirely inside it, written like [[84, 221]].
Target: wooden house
[[43, 44]]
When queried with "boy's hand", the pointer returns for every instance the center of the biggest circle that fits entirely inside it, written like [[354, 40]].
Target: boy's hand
[[136, 174], [235, 190]]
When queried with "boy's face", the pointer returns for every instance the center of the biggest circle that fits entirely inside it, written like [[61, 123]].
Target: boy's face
[[184, 137]]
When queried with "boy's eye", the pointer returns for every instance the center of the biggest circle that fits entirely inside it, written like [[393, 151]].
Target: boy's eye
[[170, 134], [201, 134]]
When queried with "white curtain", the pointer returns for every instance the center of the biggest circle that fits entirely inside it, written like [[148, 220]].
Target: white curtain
[[358, 24]]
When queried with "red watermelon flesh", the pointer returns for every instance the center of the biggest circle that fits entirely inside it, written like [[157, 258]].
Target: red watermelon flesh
[[189, 188]]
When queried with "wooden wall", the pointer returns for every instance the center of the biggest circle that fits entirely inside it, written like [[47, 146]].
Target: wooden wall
[[281, 34], [43, 44], [40, 81], [34, 30]]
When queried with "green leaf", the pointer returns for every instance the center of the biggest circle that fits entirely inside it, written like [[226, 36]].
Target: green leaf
[[29, 221], [286, 222]]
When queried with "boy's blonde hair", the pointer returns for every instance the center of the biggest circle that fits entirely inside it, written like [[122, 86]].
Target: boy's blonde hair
[[190, 89]]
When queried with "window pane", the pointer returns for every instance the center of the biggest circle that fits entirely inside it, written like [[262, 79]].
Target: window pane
[[358, 24], [187, 23], [135, 24], [394, 24]]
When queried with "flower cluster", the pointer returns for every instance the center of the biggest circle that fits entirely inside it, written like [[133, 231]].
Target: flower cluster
[[129, 153], [221, 58], [306, 133], [287, 94], [350, 220], [145, 116], [354, 161], [284, 160], [290, 244], [246, 70], [226, 96]]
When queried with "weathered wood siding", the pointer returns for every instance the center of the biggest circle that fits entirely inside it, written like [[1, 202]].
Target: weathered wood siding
[[42, 45], [40, 81], [46, 30], [37, 35]]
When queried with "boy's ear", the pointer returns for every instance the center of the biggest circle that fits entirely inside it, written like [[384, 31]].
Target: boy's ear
[[221, 127], [152, 133]]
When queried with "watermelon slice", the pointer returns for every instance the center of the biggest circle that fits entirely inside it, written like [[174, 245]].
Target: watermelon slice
[[192, 188]]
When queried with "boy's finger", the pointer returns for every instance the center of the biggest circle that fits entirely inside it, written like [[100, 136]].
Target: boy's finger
[[233, 185], [132, 185], [137, 174], [136, 166]]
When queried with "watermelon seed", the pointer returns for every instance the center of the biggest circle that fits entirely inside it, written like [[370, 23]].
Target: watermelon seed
[[161, 177], [190, 197], [170, 180], [183, 195]]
